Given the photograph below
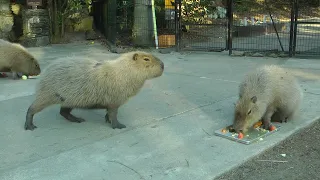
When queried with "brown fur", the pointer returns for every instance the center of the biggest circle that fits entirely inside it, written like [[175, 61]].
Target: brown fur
[[15, 58], [88, 84], [266, 90]]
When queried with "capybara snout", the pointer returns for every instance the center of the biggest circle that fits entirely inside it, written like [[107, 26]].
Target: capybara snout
[[36, 70]]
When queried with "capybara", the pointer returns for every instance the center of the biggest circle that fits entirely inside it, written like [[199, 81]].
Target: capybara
[[84, 83], [267, 90], [17, 59]]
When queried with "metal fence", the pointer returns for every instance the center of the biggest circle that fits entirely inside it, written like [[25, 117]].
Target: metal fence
[[260, 26], [203, 25], [307, 27], [125, 27], [288, 26]]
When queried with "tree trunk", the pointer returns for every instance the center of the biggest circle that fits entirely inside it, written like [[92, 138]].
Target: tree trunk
[[50, 4], [56, 21], [141, 31], [62, 27], [6, 20]]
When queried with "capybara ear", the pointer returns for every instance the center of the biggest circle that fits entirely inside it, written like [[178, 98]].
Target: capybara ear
[[254, 99], [135, 56]]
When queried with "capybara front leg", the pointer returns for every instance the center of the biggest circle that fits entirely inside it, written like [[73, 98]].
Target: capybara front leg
[[66, 113], [112, 117], [35, 107], [28, 125], [266, 119]]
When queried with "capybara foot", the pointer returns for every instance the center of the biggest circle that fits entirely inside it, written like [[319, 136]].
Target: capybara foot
[[117, 125], [66, 113], [111, 116], [266, 124], [114, 125], [285, 119], [106, 117], [29, 126], [15, 76], [72, 118]]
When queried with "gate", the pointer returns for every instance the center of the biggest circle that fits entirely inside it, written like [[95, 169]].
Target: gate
[[306, 20], [261, 26], [202, 25]]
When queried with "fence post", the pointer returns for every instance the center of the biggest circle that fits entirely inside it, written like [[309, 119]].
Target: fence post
[[230, 25], [291, 27], [177, 19], [296, 9]]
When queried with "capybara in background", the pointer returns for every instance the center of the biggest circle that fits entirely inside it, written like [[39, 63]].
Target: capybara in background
[[16, 59]]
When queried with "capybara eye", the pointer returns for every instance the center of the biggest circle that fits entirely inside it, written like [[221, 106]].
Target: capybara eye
[[146, 59], [249, 112]]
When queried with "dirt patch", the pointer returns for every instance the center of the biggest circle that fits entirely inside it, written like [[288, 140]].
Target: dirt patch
[[302, 160]]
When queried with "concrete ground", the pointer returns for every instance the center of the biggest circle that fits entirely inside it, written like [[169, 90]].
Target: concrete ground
[[170, 123]]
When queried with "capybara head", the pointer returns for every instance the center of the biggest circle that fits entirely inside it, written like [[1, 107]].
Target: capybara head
[[248, 110], [27, 64], [147, 64]]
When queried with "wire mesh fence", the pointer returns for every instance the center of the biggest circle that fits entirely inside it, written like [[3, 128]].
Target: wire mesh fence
[[254, 25], [261, 25]]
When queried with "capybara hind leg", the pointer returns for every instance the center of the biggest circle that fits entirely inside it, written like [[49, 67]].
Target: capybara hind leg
[[15, 75], [106, 117], [283, 117], [112, 117], [35, 107], [66, 113]]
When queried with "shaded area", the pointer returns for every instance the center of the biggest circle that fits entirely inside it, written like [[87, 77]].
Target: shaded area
[[301, 161]]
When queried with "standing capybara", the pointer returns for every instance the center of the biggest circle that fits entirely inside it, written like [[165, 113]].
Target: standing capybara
[[88, 84], [267, 90], [15, 58]]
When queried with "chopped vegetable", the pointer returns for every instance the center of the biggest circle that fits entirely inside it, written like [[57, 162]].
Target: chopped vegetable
[[240, 135], [272, 127], [257, 124], [223, 130]]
